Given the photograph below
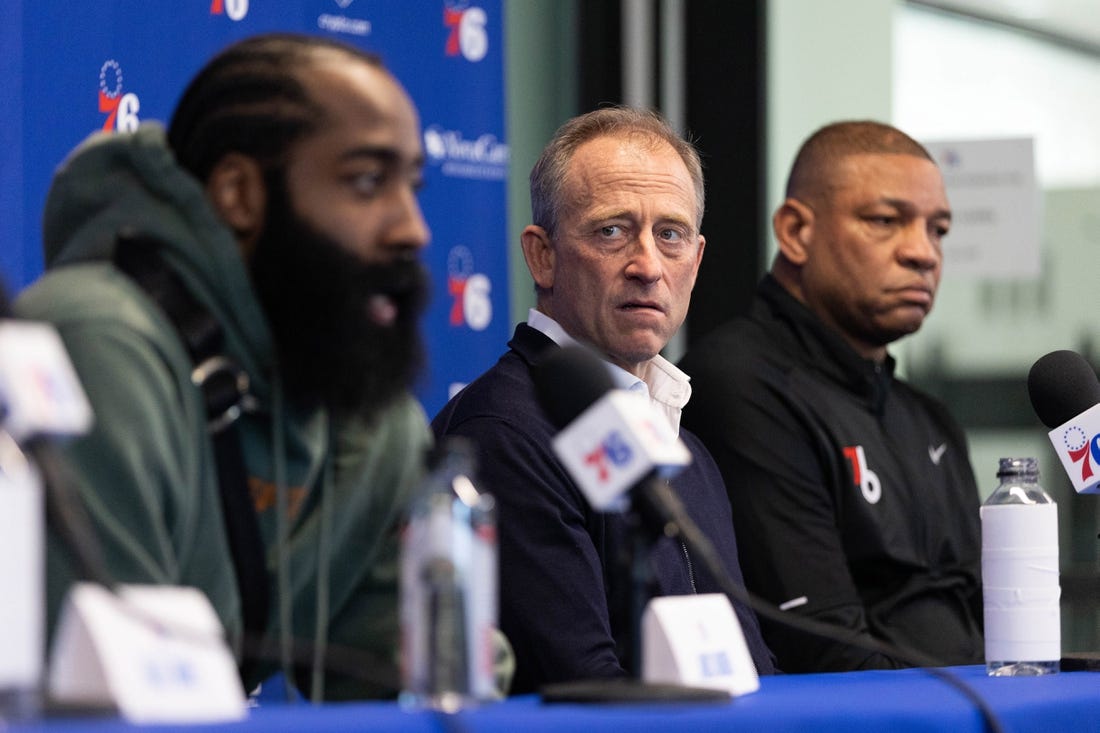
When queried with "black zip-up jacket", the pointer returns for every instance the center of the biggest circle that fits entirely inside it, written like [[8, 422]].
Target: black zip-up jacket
[[852, 492], [562, 586]]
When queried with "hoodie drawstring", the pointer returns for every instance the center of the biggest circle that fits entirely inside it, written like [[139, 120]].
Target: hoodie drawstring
[[282, 535], [320, 634]]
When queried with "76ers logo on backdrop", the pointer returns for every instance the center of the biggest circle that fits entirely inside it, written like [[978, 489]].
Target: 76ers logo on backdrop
[[866, 479], [470, 290], [467, 32], [121, 109], [232, 9]]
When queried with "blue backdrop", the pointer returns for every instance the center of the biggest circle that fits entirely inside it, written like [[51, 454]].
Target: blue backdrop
[[69, 68]]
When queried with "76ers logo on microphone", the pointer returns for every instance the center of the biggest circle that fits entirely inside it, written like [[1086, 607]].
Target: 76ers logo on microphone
[[1080, 448], [613, 450], [121, 109], [866, 479]]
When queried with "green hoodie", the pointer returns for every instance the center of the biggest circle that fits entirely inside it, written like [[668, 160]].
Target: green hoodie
[[147, 471]]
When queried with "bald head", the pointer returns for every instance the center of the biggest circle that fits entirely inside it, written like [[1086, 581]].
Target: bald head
[[860, 232], [813, 173]]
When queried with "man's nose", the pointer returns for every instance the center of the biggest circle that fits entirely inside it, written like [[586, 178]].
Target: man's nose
[[645, 259], [409, 228], [921, 247]]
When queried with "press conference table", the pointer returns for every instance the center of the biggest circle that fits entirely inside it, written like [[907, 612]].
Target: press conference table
[[893, 701]]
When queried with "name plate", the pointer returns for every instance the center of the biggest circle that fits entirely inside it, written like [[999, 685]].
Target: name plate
[[696, 641], [155, 653]]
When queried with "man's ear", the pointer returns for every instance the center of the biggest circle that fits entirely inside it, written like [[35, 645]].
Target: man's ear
[[237, 191], [793, 224], [539, 254]]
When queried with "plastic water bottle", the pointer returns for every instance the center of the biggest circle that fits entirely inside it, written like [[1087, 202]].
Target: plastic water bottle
[[449, 587], [1020, 574]]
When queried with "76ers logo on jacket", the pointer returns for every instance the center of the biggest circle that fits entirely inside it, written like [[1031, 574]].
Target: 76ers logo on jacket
[[866, 479]]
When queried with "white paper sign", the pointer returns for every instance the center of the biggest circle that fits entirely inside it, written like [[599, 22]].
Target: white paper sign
[[157, 653], [995, 207], [696, 641]]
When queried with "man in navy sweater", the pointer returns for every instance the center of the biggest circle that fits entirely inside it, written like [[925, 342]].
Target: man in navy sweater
[[617, 201]]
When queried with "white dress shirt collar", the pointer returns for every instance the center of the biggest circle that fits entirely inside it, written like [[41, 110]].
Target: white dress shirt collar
[[666, 386]]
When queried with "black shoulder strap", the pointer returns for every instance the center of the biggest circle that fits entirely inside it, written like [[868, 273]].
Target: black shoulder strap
[[224, 386]]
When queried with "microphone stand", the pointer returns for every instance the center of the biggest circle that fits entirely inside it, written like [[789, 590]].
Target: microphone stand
[[645, 524]]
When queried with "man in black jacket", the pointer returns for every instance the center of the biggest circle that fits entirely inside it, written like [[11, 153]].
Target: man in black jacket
[[852, 492]]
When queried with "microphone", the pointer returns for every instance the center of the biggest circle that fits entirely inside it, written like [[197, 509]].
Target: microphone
[[611, 441], [42, 401], [1065, 394], [39, 398], [619, 452], [40, 395]]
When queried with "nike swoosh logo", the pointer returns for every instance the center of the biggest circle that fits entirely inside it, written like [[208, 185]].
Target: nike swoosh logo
[[936, 452]]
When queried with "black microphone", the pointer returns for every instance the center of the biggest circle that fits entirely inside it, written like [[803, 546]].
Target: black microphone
[[576, 392], [567, 381], [1065, 394], [1062, 385]]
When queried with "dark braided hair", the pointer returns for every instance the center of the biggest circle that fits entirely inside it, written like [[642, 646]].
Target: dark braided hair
[[250, 99]]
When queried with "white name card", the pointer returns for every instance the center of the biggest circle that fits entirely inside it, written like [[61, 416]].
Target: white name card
[[696, 641], [156, 653]]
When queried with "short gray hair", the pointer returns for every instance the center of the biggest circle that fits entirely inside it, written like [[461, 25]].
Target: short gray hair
[[548, 175]]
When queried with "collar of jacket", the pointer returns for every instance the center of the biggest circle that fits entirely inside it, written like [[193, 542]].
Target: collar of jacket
[[531, 344], [826, 349]]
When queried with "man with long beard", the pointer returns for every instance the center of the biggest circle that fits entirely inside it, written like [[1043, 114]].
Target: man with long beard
[[281, 210]]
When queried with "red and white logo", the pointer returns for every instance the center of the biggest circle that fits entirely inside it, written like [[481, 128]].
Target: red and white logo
[[121, 109], [471, 305], [467, 35], [863, 477], [232, 9], [1077, 443]]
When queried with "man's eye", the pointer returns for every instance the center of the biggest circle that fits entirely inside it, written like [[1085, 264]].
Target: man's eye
[[671, 235], [882, 221], [611, 230], [368, 183]]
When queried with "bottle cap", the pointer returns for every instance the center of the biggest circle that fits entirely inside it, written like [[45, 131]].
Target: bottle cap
[[1017, 467]]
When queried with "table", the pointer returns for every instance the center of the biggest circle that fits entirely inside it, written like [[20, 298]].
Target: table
[[879, 700]]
